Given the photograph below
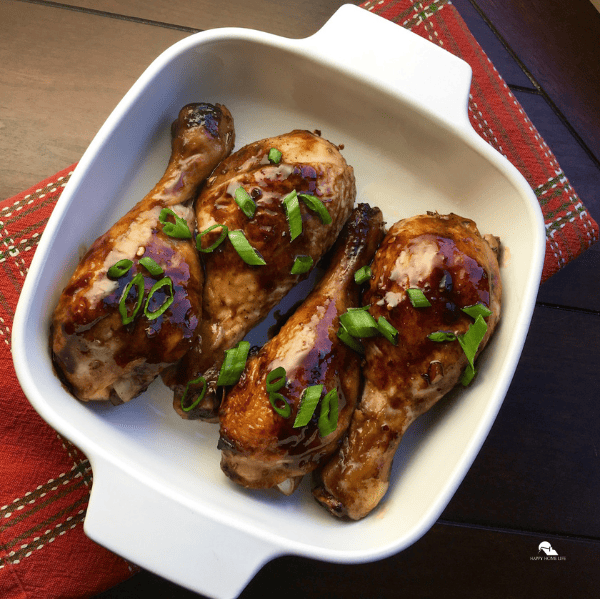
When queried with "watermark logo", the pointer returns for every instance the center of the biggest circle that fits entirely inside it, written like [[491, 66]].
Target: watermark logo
[[547, 552]]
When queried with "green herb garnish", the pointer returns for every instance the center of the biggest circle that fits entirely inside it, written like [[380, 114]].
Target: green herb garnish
[[363, 274], [179, 229], [308, 403], [200, 396], [161, 283], [317, 206], [234, 364], [294, 216], [242, 246], [417, 298], [274, 156], [302, 264], [245, 202], [151, 265], [120, 268], [137, 281]]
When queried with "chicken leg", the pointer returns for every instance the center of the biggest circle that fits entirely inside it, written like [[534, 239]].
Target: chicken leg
[[99, 354], [261, 448], [237, 296], [444, 257]]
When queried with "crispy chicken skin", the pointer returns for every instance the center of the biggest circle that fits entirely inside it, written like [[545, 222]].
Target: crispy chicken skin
[[236, 295], [260, 448], [445, 257], [95, 354]]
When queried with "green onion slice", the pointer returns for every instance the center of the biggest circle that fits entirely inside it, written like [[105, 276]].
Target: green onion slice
[[417, 298], [302, 264], [308, 404], [245, 202], [470, 343], [317, 206], [363, 274], [477, 309], [120, 268], [151, 265], [328, 417], [276, 379], [442, 336], [213, 246], [178, 229], [200, 396], [234, 364], [387, 330], [284, 410], [294, 216], [161, 283], [350, 341], [138, 281], [242, 246], [359, 322], [274, 156], [468, 375]]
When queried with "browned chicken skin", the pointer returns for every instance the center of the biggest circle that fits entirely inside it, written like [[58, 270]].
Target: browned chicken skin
[[96, 355], [261, 449], [237, 296], [447, 259]]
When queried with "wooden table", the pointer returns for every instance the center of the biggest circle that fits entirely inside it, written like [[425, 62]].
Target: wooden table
[[537, 477]]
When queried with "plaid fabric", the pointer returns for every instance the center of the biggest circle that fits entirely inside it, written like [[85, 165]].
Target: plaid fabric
[[45, 480]]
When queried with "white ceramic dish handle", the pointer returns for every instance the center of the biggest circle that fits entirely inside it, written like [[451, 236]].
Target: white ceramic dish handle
[[203, 552], [395, 59]]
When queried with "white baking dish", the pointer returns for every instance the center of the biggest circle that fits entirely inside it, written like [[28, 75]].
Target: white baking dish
[[399, 105]]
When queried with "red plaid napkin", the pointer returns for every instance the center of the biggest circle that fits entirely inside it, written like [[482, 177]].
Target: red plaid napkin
[[45, 480]]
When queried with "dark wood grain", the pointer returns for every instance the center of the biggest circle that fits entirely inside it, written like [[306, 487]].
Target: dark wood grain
[[448, 562], [557, 43]]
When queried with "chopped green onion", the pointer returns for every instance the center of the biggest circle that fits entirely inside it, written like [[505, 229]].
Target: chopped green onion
[[286, 410], [417, 298], [350, 341], [245, 202], [387, 330], [317, 206], [178, 229], [468, 375], [200, 396], [242, 246], [363, 274], [152, 266], [294, 216], [359, 323], [165, 281], [470, 343], [442, 336], [213, 246], [138, 281], [276, 379], [308, 403], [120, 268], [302, 264], [274, 156], [234, 364], [328, 417], [477, 309]]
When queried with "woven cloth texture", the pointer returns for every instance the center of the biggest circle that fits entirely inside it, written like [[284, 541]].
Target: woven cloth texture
[[45, 481]]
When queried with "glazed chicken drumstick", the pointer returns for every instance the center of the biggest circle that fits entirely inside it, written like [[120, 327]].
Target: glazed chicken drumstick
[[262, 448], [449, 264], [251, 193], [115, 329]]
